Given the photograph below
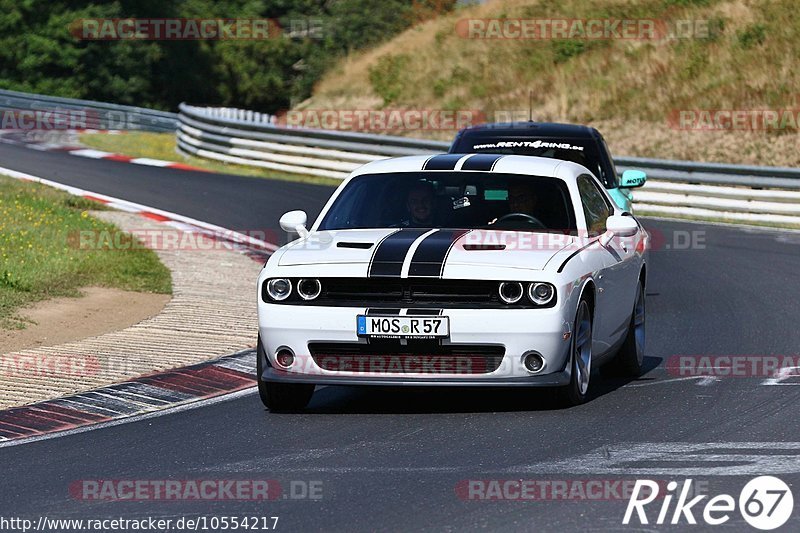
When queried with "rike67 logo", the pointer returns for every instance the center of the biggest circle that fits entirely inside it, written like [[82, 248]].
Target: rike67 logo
[[765, 503]]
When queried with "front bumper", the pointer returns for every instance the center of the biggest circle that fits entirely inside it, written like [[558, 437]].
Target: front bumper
[[515, 332], [555, 379]]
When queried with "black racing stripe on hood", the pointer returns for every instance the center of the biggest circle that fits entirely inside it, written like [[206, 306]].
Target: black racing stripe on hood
[[429, 257], [387, 261], [484, 162], [442, 162]]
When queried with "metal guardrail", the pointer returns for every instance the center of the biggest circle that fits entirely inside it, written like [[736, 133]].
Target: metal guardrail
[[733, 192], [86, 114]]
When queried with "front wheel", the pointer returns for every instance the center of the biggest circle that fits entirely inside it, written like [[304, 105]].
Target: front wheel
[[280, 397], [577, 391], [629, 360]]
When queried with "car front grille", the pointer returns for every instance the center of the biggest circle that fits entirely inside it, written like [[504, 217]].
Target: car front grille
[[398, 293], [391, 357], [408, 292]]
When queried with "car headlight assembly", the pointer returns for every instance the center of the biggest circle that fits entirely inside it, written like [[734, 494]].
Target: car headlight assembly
[[279, 289], [510, 292], [309, 289], [541, 293]]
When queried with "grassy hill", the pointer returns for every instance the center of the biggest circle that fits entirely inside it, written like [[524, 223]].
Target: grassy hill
[[743, 54]]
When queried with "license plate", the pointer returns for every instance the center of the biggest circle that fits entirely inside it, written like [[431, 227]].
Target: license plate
[[407, 327]]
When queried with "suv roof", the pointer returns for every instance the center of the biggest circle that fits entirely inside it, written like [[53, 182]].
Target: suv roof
[[543, 129]]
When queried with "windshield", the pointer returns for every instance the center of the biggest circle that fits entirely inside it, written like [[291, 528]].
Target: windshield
[[465, 200], [581, 151]]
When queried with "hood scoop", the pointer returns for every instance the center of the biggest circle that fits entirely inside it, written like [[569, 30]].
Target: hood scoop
[[477, 247], [356, 245]]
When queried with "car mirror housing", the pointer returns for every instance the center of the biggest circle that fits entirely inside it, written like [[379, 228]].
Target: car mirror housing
[[619, 226], [632, 178], [295, 222]]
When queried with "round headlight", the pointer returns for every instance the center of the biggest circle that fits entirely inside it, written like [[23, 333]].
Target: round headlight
[[279, 289], [308, 289], [510, 291], [540, 293]]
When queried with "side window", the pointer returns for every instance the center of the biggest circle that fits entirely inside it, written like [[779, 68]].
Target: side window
[[610, 177], [595, 208]]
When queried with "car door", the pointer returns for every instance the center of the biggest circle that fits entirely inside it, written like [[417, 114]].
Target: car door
[[611, 308]]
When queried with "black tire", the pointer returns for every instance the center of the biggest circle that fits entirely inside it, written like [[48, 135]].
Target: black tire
[[629, 360], [577, 391], [280, 397]]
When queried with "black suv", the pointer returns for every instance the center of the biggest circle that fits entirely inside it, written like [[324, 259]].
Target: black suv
[[571, 142]]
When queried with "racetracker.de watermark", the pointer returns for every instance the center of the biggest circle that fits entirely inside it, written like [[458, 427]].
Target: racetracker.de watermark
[[167, 239], [598, 29], [126, 490], [382, 119], [379, 365], [48, 365], [55, 119], [552, 240], [734, 366], [65, 365], [532, 490], [199, 29], [786, 119]]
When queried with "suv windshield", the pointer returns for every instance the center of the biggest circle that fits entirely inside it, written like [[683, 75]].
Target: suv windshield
[[464, 200], [581, 151]]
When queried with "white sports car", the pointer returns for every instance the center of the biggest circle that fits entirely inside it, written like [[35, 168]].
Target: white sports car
[[474, 270]]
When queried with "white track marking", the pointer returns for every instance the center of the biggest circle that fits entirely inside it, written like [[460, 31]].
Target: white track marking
[[754, 458], [93, 154], [143, 406], [44, 147], [150, 392], [248, 366], [133, 207], [700, 379], [150, 162], [181, 226], [784, 374]]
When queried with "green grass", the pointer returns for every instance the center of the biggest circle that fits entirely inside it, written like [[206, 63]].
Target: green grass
[[162, 146], [728, 54], [724, 55], [39, 257]]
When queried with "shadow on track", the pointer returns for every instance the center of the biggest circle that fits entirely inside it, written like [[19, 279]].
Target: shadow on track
[[416, 400]]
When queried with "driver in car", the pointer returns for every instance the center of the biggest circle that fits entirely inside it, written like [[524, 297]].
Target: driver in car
[[522, 202], [419, 205]]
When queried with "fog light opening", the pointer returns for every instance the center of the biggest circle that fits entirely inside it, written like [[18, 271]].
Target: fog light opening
[[533, 362], [284, 357]]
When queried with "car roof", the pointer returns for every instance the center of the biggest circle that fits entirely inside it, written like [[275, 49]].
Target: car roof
[[503, 164], [530, 128]]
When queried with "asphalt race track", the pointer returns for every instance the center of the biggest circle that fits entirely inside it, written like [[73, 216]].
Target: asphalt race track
[[400, 459], [234, 202]]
